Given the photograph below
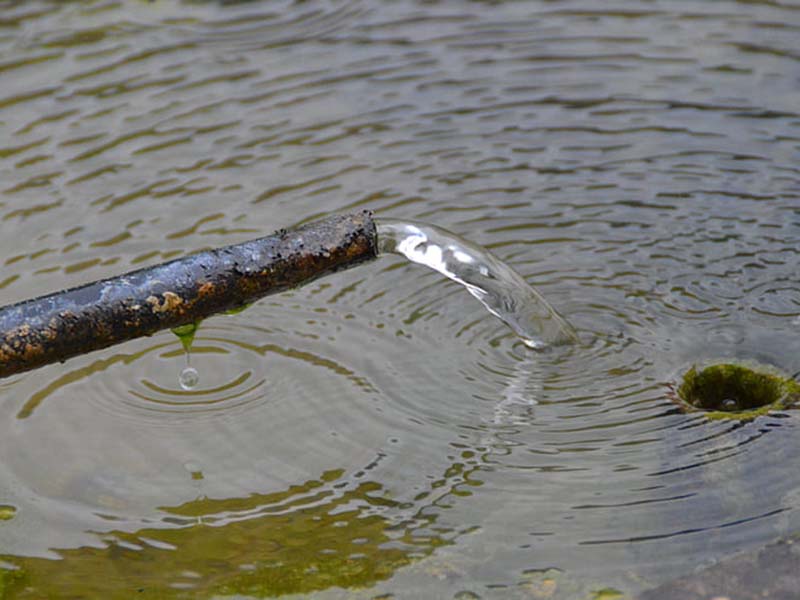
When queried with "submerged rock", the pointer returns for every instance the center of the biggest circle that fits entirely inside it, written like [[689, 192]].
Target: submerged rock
[[771, 572], [736, 391]]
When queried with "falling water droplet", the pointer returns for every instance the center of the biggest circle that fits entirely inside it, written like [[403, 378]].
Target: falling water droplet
[[189, 378]]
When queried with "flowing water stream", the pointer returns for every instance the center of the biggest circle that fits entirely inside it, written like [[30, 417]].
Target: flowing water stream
[[501, 290], [378, 433]]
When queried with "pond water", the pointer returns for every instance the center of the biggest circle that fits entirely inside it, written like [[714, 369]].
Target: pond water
[[378, 434]]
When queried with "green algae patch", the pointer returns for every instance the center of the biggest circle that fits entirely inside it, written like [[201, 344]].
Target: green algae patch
[[239, 309], [10, 579], [736, 391], [310, 537], [186, 334], [607, 594]]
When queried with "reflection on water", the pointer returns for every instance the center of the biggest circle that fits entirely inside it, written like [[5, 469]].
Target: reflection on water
[[636, 163]]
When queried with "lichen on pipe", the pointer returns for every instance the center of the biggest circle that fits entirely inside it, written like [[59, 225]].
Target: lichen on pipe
[[53, 328]]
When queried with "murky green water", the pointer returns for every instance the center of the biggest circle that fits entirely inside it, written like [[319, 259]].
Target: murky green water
[[636, 161]]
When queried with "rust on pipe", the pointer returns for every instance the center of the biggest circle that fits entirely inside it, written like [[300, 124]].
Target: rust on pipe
[[59, 326]]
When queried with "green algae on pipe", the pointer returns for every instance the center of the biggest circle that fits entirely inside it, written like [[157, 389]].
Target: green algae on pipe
[[53, 328]]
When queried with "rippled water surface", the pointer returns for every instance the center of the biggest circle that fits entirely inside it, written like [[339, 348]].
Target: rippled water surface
[[378, 431]]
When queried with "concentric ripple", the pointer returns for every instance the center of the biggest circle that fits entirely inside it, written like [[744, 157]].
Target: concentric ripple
[[242, 385], [637, 164]]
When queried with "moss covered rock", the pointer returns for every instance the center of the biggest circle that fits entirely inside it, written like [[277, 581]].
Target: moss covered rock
[[736, 391]]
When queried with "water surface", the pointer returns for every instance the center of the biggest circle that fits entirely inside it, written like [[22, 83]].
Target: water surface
[[636, 162]]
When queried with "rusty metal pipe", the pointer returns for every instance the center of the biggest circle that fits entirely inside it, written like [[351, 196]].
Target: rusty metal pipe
[[59, 326]]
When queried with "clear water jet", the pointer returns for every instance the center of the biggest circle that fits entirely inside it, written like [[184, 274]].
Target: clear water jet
[[501, 290]]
